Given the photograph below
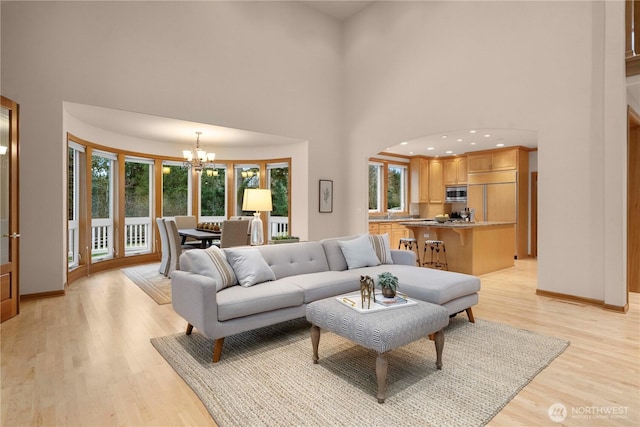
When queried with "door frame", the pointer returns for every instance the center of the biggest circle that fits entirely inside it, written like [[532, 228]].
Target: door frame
[[9, 273], [633, 201], [534, 214]]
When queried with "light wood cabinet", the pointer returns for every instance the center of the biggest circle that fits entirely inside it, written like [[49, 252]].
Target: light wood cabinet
[[436, 181], [393, 229], [505, 160], [455, 171], [397, 232], [498, 181], [373, 228], [419, 172], [498, 160]]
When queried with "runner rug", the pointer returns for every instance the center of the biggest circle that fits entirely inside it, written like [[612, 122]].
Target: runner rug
[[151, 281], [266, 377]]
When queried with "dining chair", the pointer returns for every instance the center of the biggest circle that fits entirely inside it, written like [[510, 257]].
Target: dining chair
[[187, 221], [235, 232], [164, 246], [175, 245]]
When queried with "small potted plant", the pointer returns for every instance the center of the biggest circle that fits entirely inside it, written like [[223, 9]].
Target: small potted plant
[[388, 283], [284, 238]]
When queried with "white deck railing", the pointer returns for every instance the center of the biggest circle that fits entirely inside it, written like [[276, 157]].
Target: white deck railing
[[137, 238], [278, 225]]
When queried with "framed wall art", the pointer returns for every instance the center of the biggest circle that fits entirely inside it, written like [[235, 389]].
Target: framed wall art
[[326, 195]]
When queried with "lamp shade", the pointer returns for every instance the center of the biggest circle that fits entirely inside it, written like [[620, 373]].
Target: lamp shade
[[257, 199]]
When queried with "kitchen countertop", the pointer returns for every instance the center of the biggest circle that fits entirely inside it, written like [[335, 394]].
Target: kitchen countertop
[[453, 224], [392, 219]]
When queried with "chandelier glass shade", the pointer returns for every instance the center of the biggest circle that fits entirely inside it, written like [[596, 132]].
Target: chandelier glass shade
[[197, 158]]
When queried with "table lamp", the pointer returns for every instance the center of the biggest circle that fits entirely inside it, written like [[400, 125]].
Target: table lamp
[[258, 200]]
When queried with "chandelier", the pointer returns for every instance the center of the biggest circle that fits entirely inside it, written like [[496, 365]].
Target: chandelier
[[198, 159]]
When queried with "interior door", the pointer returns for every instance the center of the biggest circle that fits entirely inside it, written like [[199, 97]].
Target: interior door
[[9, 240]]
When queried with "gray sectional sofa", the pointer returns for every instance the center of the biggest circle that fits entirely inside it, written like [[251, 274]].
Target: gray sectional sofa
[[296, 275]]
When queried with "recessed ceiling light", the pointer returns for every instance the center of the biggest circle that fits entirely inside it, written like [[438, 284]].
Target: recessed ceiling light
[[459, 139], [430, 148], [499, 145], [444, 136], [449, 152], [473, 143], [410, 152], [404, 143], [487, 136], [472, 131]]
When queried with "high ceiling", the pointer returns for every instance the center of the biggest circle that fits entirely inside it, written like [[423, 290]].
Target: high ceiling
[[164, 129]]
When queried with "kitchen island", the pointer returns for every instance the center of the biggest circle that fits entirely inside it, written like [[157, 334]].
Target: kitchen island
[[472, 247]]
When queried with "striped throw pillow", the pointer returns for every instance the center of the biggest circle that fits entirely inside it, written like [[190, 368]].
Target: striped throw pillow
[[213, 263], [381, 246]]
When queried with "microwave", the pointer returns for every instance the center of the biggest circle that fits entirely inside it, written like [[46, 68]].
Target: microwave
[[455, 194]]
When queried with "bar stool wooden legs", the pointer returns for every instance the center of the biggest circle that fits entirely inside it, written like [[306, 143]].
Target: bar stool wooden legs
[[410, 244], [435, 247]]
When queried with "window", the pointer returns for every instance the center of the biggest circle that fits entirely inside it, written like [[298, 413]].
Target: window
[[388, 186], [213, 195], [396, 188], [138, 174], [102, 179], [73, 205], [175, 189], [375, 193], [247, 176], [278, 176]]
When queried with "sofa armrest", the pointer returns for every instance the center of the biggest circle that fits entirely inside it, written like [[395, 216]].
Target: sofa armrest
[[404, 257], [193, 297]]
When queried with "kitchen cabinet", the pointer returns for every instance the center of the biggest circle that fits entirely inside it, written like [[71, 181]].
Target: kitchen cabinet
[[498, 190], [496, 160], [419, 172], [493, 202], [436, 181], [393, 229], [455, 171]]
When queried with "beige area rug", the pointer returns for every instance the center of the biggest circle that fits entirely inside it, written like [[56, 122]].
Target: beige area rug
[[266, 377], [151, 281]]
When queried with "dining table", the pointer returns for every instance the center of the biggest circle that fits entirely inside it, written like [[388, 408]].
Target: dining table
[[206, 237]]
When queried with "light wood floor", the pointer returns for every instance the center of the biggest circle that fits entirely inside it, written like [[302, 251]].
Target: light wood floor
[[85, 359]]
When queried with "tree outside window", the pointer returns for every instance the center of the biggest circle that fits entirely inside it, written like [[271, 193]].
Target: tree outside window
[[175, 190]]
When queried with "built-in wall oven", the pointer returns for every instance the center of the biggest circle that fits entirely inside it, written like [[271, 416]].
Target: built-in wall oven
[[455, 194]]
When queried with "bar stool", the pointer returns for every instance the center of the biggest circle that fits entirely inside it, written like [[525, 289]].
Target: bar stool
[[410, 244], [434, 259]]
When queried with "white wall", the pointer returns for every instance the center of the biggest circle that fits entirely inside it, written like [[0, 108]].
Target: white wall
[[272, 67], [419, 68]]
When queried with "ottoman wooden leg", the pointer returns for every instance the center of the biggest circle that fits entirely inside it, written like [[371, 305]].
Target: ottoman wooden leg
[[381, 373], [315, 340], [439, 341]]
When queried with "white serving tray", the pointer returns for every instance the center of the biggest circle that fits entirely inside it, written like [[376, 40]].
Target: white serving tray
[[355, 302]]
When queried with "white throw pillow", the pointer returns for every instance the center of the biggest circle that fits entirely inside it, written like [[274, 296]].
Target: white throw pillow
[[382, 247], [249, 266], [213, 263], [359, 252]]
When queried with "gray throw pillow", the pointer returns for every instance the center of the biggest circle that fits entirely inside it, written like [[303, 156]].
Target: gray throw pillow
[[213, 263], [249, 266], [359, 252]]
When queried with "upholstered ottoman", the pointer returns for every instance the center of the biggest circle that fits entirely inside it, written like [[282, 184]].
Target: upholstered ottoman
[[380, 331]]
